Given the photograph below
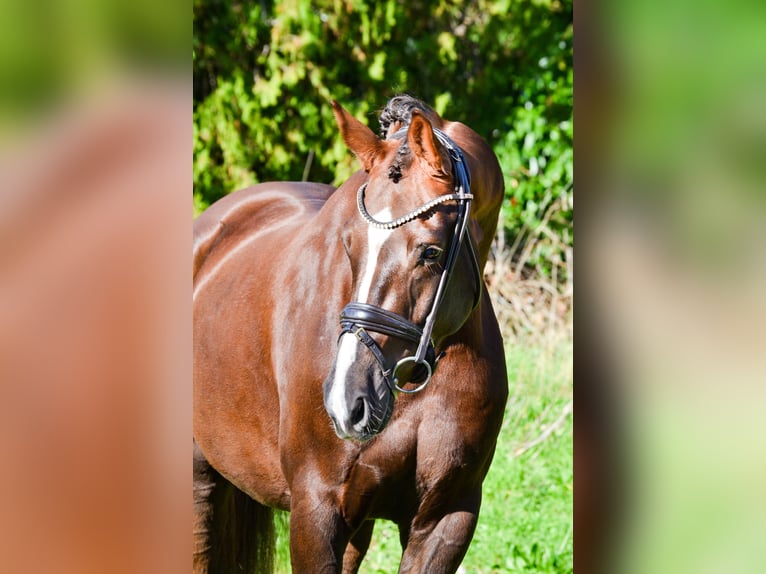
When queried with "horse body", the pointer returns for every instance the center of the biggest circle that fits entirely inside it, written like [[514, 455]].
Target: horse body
[[272, 274]]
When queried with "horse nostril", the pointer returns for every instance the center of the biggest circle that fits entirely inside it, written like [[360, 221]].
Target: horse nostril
[[357, 413]]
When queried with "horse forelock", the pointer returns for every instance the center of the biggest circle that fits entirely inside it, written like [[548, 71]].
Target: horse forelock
[[403, 161], [395, 120], [400, 163]]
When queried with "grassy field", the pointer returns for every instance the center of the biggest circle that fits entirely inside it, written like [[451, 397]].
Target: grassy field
[[526, 517]]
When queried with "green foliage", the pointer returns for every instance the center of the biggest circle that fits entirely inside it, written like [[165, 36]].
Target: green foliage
[[264, 74]]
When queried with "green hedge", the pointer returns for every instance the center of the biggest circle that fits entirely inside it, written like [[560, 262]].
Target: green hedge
[[264, 73]]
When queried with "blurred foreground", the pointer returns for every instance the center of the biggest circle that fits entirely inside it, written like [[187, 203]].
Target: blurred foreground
[[95, 341], [670, 365], [95, 327]]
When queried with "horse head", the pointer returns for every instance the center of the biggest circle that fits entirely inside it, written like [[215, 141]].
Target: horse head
[[415, 273]]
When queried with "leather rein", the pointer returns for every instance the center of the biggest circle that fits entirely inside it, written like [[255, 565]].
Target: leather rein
[[358, 318]]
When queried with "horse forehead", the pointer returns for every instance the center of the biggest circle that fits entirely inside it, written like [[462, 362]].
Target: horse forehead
[[431, 227], [412, 187]]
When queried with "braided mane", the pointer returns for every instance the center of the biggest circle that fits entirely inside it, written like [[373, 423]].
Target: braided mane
[[396, 115]]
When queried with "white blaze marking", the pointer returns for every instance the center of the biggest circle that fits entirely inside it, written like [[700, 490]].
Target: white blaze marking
[[343, 363], [375, 240], [349, 344]]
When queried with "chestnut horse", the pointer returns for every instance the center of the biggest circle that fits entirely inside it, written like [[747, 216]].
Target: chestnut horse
[[348, 364]]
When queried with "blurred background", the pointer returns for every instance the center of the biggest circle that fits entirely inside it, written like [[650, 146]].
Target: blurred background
[[95, 322], [671, 370]]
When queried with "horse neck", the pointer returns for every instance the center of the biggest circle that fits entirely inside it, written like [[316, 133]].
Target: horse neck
[[487, 184]]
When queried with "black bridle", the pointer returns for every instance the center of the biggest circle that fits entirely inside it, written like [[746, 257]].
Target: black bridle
[[358, 318]]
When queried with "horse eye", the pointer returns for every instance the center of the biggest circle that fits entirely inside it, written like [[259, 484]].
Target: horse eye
[[431, 253]]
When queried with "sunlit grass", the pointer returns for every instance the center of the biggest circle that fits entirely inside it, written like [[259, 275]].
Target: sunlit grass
[[526, 518]]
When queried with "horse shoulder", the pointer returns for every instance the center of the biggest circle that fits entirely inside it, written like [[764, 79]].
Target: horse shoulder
[[465, 412]]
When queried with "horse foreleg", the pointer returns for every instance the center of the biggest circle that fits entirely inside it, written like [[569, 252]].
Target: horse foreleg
[[357, 547], [439, 546], [318, 537]]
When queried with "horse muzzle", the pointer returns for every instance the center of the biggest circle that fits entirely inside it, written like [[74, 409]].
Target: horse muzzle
[[356, 398]]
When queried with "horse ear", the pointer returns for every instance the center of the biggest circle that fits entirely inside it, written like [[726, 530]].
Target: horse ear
[[424, 145], [358, 137]]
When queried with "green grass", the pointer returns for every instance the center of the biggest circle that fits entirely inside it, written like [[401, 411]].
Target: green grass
[[525, 523]]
